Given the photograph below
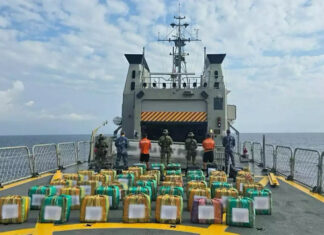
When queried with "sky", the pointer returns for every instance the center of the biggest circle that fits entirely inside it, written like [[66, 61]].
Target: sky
[[62, 64]]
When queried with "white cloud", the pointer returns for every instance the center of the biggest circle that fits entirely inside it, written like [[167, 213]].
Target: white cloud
[[30, 103], [67, 117], [8, 97]]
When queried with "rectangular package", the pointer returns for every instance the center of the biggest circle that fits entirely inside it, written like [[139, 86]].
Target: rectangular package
[[55, 209], [94, 209], [207, 211], [14, 209], [169, 209], [76, 193], [195, 193], [240, 212], [38, 193], [137, 208]]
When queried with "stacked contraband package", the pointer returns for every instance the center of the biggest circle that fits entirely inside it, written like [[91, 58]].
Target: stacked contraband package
[[142, 165], [174, 166], [174, 178], [123, 189], [207, 211], [38, 193], [173, 172], [149, 177], [247, 186], [55, 209], [126, 179], [14, 209], [196, 193], [94, 209], [171, 190], [102, 179], [74, 177], [157, 173], [172, 183], [158, 166], [137, 208], [217, 185], [195, 172], [218, 173], [169, 209], [138, 169], [77, 194], [150, 183], [112, 192], [240, 212], [195, 184], [195, 177], [89, 186], [86, 174], [262, 200], [60, 183], [225, 193], [141, 190], [111, 174], [243, 179], [217, 178], [134, 172]]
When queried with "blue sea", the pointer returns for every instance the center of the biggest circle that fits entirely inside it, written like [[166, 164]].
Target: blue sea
[[301, 140]]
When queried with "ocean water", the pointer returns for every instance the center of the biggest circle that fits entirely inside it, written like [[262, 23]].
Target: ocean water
[[294, 140]]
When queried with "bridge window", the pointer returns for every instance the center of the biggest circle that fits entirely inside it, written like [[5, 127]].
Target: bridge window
[[133, 74], [218, 103], [132, 86], [216, 85], [216, 74]]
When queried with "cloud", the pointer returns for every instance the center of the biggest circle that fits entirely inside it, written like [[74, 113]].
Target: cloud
[[9, 97], [69, 117], [30, 103]]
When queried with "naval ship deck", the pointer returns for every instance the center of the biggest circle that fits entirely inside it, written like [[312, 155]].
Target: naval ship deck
[[295, 211]]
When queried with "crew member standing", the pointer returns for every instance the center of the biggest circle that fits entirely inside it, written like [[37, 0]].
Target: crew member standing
[[101, 149], [145, 146], [208, 146], [229, 144], [165, 143], [191, 148], [121, 144]]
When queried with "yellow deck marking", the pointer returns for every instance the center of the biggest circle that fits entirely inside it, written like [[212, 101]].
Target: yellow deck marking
[[264, 181], [25, 181], [26, 231], [43, 229], [303, 189], [57, 176]]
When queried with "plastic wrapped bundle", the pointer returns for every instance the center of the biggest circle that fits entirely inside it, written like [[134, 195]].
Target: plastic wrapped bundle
[[158, 166], [169, 209], [173, 172], [113, 195], [86, 174], [244, 172], [247, 186], [127, 179], [122, 189], [172, 183], [240, 212], [94, 209], [14, 209], [137, 208], [103, 179], [225, 193], [217, 178], [141, 190], [240, 180], [262, 200], [134, 172], [142, 165], [150, 183], [38, 193], [207, 211], [138, 169], [55, 209], [173, 178], [60, 183], [89, 186], [218, 173], [157, 173], [74, 177], [149, 177], [195, 184], [111, 174], [174, 166], [195, 177], [196, 193], [195, 172], [217, 185], [76, 193], [171, 190]]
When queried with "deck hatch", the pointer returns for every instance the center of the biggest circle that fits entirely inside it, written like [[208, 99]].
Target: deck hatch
[[174, 116]]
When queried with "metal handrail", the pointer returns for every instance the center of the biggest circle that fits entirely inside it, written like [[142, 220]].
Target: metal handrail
[[58, 160], [291, 161]]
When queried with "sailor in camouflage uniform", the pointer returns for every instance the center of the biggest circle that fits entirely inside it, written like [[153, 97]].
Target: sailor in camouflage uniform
[[165, 143], [101, 149], [121, 144], [191, 146], [229, 144]]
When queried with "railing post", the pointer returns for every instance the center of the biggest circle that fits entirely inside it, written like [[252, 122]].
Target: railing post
[[274, 163], [252, 151], [320, 173], [32, 162], [292, 165], [78, 152], [59, 157]]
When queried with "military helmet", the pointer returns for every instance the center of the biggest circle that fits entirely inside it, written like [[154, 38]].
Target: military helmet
[[101, 137], [165, 131], [190, 134]]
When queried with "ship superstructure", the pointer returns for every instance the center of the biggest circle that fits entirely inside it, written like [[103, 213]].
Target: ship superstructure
[[178, 100]]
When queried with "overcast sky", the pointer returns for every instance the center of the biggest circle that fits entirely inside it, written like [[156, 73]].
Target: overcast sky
[[62, 64]]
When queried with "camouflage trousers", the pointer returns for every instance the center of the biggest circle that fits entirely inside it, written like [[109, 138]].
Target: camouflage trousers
[[124, 156], [191, 156], [100, 161], [165, 157]]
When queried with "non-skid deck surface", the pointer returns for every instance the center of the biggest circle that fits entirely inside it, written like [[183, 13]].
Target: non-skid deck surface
[[123, 231], [294, 212]]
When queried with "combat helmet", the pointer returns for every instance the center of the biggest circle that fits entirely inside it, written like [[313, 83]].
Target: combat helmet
[[165, 132], [191, 134]]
